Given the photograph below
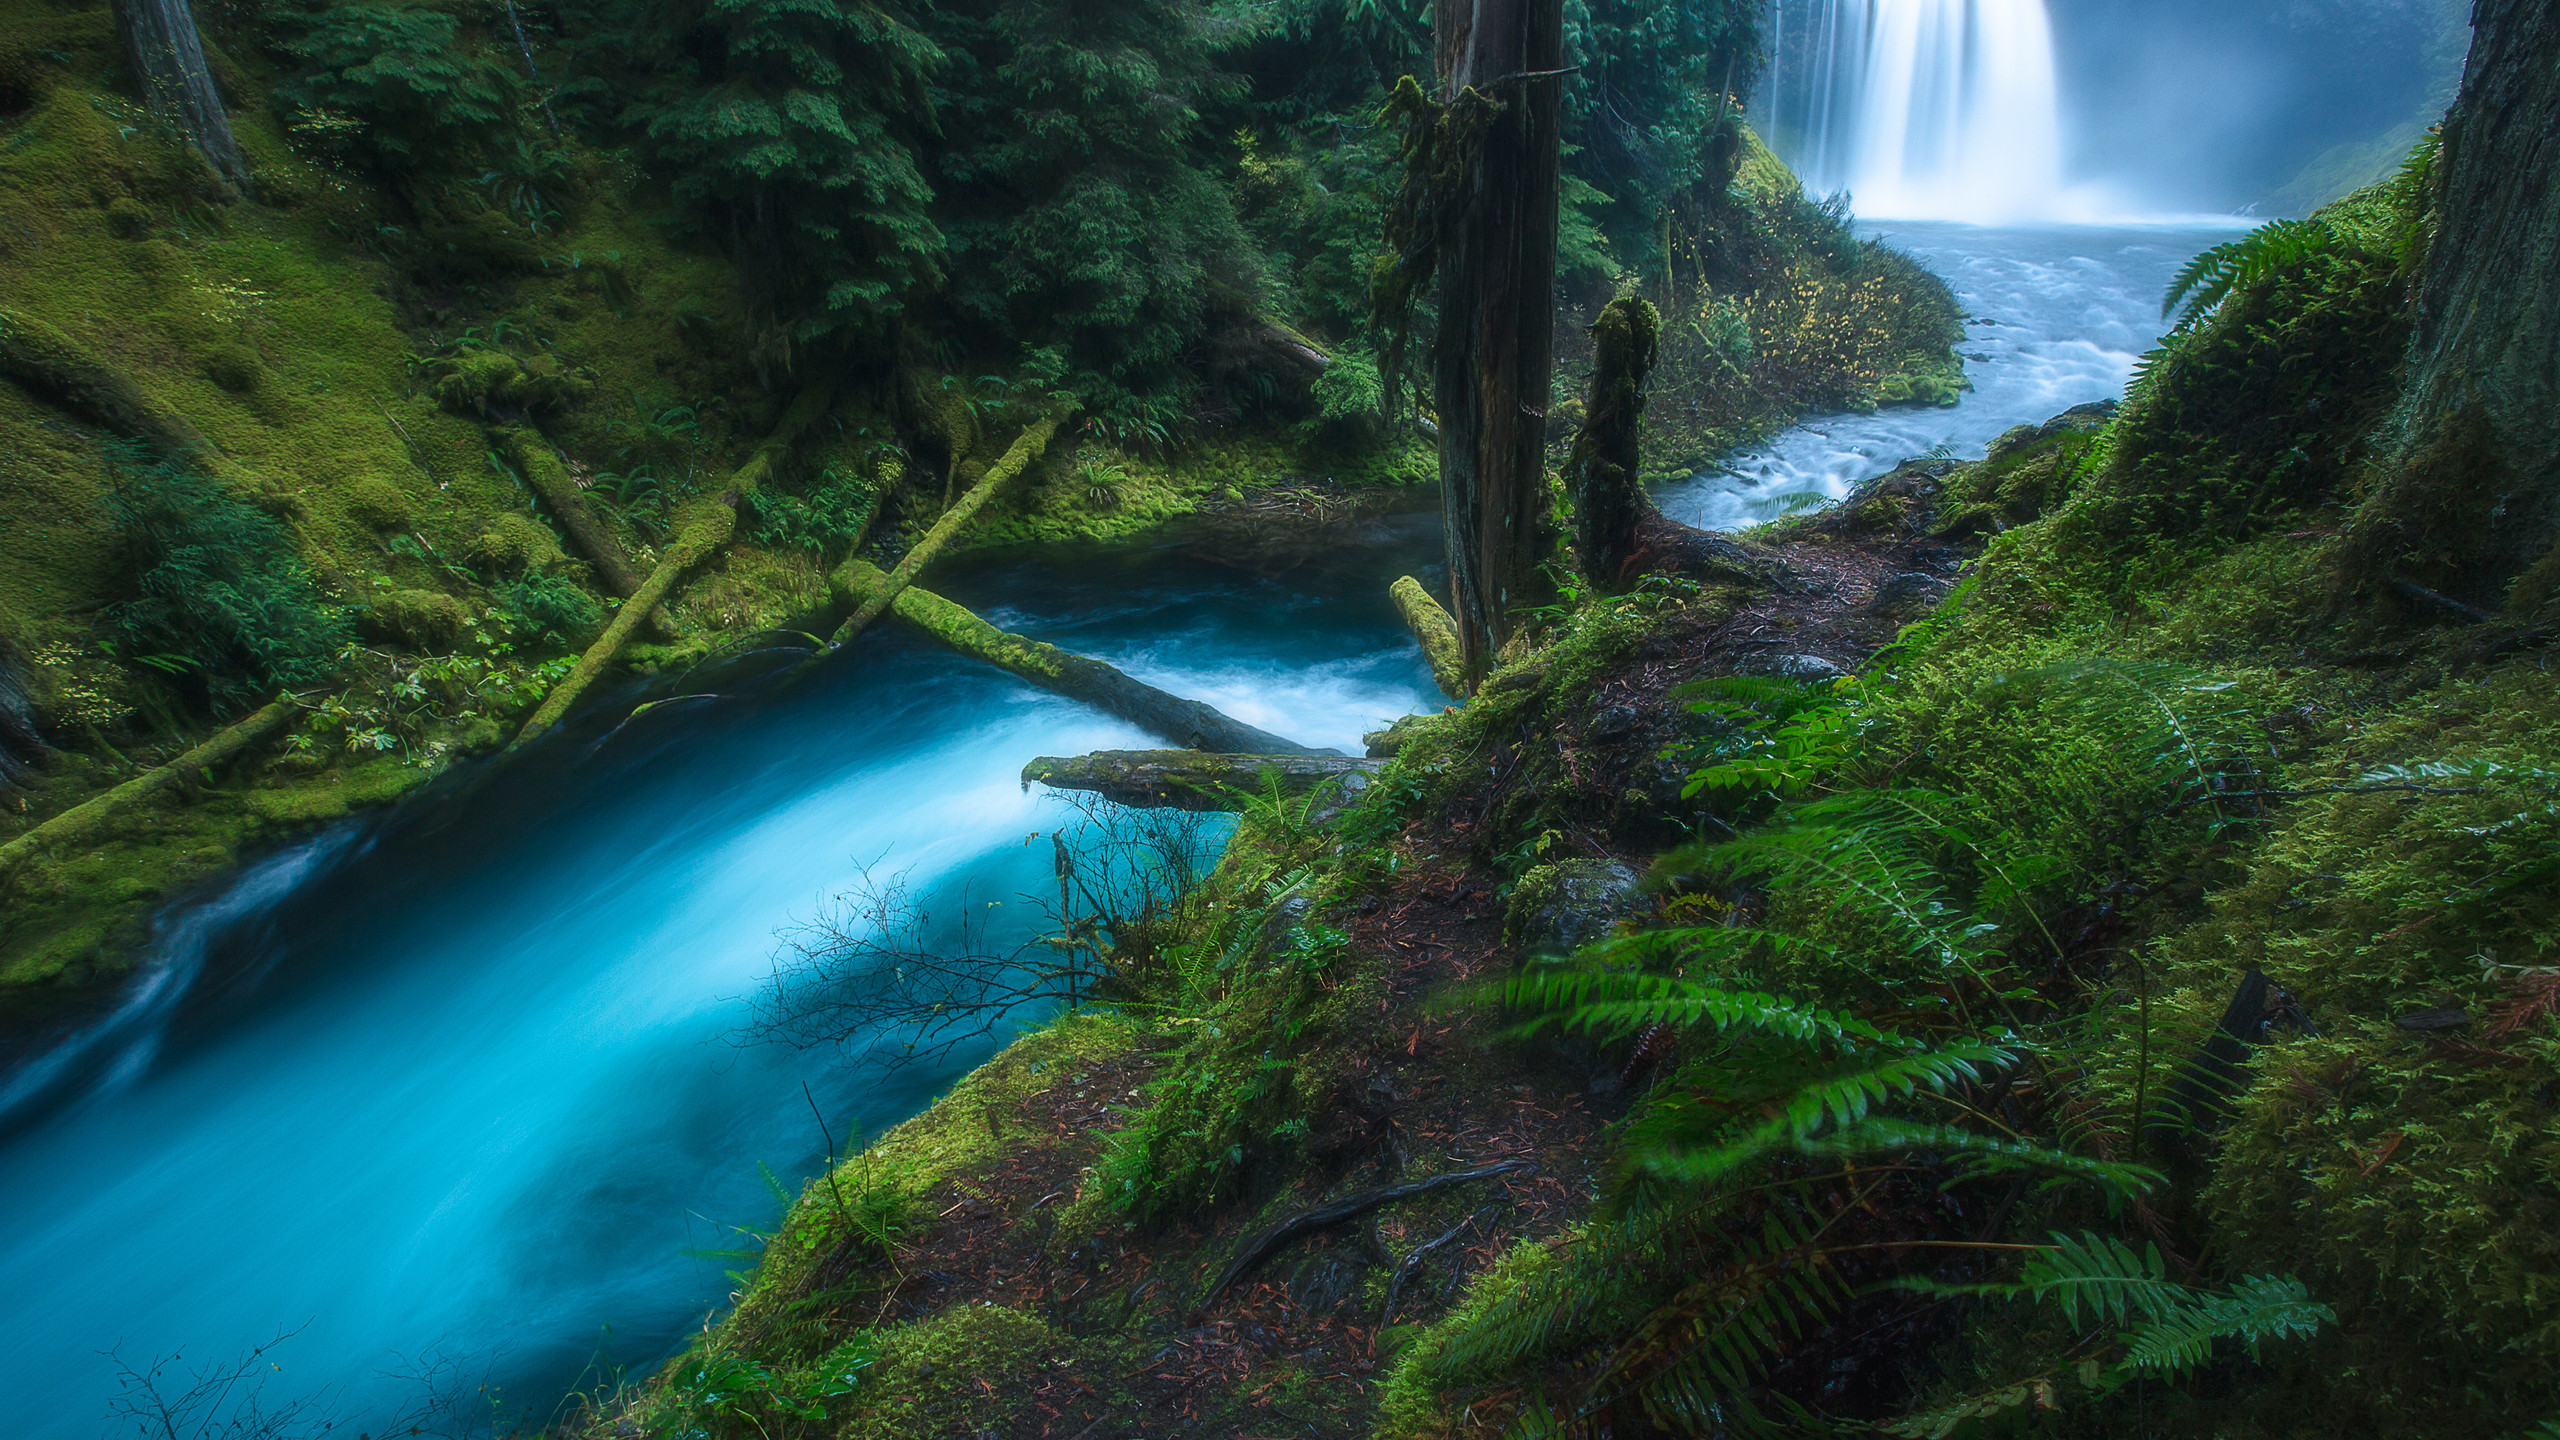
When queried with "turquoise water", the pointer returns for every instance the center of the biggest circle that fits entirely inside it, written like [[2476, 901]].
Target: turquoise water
[[461, 1087]]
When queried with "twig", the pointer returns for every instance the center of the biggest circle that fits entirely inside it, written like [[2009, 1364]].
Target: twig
[[2417, 591], [1413, 1265]]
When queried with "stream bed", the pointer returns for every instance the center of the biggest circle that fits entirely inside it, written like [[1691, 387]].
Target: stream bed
[[457, 1088]]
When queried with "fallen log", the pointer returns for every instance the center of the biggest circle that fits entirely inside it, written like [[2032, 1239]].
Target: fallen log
[[1026, 448], [1187, 723], [696, 540], [1350, 1207], [1438, 633], [89, 817], [549, 479], [1194, 779]]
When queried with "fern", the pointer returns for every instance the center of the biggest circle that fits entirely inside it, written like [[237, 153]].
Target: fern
[[1612, 1005], [2166, 1329], [2211, 277]]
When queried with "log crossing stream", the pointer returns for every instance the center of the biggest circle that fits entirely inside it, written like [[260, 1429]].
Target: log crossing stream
[[455, 1086]]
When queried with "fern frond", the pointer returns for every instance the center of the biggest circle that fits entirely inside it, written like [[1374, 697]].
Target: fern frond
[[1831, 1115], [1976, 1156], [1613, 1004], [2210, 278], [2253, 1311]]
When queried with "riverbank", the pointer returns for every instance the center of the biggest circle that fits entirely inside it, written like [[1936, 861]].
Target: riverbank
[[2067, 874]]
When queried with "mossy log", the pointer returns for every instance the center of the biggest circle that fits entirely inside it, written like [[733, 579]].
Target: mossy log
[[701, 535], [1188, 723], [1438, 633], [1193, 779], [53, 368], [540, 465], [87, 819], [1026, 448]]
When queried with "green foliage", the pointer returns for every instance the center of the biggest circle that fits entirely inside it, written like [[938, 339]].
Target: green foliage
[[393, 88], [550, 605], [2208, 279], [791, 128], [1071, 174], [836, 511], [222, 596]]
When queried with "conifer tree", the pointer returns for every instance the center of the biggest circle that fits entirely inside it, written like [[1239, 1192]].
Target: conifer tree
[[790, 128]]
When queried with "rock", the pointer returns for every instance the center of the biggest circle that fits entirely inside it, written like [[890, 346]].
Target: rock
[[1614, 722], [1382, 744], [1811, 669], [1557, 909]]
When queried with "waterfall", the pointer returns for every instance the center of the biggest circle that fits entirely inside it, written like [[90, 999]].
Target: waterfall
[[1920, 109]]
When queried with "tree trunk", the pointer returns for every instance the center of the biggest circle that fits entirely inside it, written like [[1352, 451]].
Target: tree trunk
[[2472, 504], [1495, 352], [1026, 448], [1432, 626], [86, 820], [1187, 723], [1193, 779], [160, 42], [1608, 496]]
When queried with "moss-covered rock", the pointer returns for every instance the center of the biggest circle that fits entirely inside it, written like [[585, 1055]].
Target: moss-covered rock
[[1557, 909], [378, 502]]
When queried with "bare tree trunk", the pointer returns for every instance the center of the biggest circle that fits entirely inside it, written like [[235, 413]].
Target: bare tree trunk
[[1609, 501], [1495, 352], [2472, 505], [168, 66]]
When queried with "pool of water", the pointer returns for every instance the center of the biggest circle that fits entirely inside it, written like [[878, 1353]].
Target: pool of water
[[2057, 316]]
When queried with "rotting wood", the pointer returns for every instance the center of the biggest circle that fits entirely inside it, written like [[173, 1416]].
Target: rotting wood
[[1191, 724], [710, 529], [1018, 457], [1193, 779], [1259, 1248], [1438, 633], [89, 817]]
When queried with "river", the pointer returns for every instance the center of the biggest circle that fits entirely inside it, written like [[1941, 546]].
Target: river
[[458, 1086]]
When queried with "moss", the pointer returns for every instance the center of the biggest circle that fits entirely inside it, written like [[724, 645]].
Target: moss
[[378, 502], [516, 545], [961, 1372], [426, 621]]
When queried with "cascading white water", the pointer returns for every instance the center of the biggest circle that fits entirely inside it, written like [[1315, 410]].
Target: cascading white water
[[1920, 109]]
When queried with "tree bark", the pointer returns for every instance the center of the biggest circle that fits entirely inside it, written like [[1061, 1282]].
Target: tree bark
[[1494, 356], [2471, 505], [1608, 495], [167, 56], [1189, 779], [1187, 723]]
